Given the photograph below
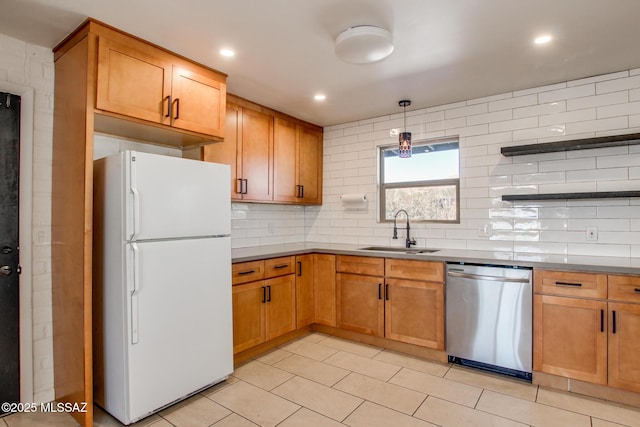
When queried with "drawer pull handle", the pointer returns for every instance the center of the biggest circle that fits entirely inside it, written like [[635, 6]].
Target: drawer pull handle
[[264, 294], [636, 290], [601, 320], [277, 267], [386, 292], [242, 273], [299, 268], [269, 290], [568, 284], [379, 290]]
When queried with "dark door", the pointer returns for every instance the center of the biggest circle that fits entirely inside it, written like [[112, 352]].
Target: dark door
[[9, 295]]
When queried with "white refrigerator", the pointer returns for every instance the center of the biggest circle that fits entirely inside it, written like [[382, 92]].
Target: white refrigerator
[[162, 281]]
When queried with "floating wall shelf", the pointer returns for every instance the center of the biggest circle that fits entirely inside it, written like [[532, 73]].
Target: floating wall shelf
[[571, 196], [571, 145], [575, 144]]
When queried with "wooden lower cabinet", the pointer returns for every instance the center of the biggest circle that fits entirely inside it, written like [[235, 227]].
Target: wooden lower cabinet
[[624, 346], [414, 312], [248, 316], [570, 337], [394, 305], [324, 309], [360, 303], [305, 273], [263, 310], [590, 339]]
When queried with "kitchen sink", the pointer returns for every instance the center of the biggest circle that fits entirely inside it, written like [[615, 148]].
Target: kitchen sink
[[397, 249]]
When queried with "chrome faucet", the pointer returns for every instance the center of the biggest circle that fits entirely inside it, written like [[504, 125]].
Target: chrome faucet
[[409, 241]]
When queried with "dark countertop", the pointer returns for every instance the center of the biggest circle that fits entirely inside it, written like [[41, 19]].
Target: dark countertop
[[546, 261]]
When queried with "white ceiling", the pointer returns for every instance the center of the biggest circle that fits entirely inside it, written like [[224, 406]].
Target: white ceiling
[[445, 50]]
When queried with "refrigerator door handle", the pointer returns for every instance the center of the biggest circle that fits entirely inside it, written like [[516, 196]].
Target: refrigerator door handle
[[133, 187], [134, 294]]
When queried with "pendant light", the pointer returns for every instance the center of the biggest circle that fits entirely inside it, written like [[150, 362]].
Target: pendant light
[[404, 141]]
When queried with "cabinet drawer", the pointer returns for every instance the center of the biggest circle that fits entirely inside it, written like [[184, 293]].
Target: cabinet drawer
[[624, 288], [570, 283], [275, 267], [416, 270], [244, 272], [360, 265]]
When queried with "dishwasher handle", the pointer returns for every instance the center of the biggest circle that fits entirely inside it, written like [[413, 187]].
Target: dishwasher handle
[[490, 278]]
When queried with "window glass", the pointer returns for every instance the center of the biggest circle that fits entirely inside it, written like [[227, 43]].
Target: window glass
[[426, 184]]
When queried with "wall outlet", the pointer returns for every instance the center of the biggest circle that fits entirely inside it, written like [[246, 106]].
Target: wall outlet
[[485, 230], [592, 234]]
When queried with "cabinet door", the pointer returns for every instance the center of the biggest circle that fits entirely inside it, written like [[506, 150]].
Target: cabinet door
[[257, 155], [248, 315], [230, 150], [325, 289], [285, 188], [133, 80], [570, 337], [360, 303], [304, 290], [414, 312], [309, 165], [199, 99], [280, 306], [624, 346]]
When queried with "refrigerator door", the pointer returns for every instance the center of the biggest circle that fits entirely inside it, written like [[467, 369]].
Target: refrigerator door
[[179, 333], [170, 197]]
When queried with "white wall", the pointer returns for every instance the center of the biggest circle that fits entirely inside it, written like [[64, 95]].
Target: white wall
[[28, 70], [598, 106]]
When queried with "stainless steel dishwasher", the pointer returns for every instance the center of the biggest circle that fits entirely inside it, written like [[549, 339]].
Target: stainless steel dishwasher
[[489, 317]]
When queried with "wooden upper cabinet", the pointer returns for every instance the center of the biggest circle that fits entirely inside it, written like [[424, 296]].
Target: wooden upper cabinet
[[297, 162], [229, 151], [198, 100], [133, 80], [256, 156], [140, 81]]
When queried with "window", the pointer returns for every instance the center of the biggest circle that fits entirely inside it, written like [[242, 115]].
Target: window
[[426, 185]]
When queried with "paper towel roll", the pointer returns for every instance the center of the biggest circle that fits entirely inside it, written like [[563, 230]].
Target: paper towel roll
[[353, 198]]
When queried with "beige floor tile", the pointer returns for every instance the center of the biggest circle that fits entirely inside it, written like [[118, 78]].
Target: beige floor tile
[[261, 375], [595, 422], [273, 356], [104, 419], [363, 365], [234, 420], [305, 417], [448, 414], [439, 387], [314, 337], [197, 411], [593, 407], [2, 423], [319, 398], [413, 362], [255, 404], [351, 347], [40, 419], [531, 413], [226, 383], [312, 369], [309, 349], [371, 415], [390, 395], [501, 384]]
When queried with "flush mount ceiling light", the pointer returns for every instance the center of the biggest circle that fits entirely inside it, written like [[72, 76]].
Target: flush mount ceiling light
[[404, 138], [363, 44]]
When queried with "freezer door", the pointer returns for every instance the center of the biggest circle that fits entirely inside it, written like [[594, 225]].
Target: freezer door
[[170, 197], [180, 336]]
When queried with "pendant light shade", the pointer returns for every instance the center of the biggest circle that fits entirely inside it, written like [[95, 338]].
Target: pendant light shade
[[404, 139]]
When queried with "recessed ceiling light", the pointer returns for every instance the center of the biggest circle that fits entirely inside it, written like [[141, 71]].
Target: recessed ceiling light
[[320, 97], [544, 39], [227, 52]]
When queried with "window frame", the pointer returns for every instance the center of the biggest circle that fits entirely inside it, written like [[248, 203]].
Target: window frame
[[382, 187]]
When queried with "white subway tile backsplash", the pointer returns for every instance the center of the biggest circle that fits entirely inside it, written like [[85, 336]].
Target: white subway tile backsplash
[[615, 123], [540, 89], [600, 78], [539, 110], [611, 98], [624, 109], [568, 117], [625, 83], [567, 93], [515, 124]]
